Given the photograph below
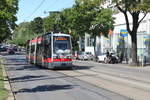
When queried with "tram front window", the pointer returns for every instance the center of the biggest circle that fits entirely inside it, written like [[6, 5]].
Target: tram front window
[[62, 46]]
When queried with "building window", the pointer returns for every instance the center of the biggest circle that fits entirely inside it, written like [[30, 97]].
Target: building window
[[90, 41]]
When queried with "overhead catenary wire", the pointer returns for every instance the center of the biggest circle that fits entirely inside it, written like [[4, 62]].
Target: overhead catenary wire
[[50, 6], [42, 2], [67, 3]]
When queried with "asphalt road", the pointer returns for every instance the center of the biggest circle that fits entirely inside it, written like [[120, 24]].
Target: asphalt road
[[87, 81]]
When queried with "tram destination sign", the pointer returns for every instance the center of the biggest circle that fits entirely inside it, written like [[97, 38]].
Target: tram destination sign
[[60, 38]]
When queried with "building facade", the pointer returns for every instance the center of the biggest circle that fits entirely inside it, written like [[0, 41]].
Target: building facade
[[120, 40]]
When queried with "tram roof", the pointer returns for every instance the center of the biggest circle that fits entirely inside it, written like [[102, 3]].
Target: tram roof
[[58, 34], [54, 34]]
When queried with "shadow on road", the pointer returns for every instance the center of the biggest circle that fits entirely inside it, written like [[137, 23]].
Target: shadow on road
[[28, 77], [44, 88], [22, 67], [75, 67]]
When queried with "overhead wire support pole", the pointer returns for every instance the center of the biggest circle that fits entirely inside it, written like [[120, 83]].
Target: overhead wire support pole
[[52, 44]]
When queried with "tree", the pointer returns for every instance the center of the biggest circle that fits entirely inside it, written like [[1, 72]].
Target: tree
[[133, 8], [8, 10], [22, 33], [51, 22], [77, 20], [37, 25], [102, 24], [83, 15], [67, 26], [19, 34], [99, 19]]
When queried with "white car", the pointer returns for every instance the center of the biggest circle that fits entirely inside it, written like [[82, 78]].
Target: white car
[[85, 56], [103, 58]]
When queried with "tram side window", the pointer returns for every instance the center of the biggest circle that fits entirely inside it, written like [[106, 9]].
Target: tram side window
[[47, 46], [32, 49], [39, 49], [27, 49]]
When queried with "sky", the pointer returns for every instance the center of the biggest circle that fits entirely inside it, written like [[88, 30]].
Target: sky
[[30, 9]]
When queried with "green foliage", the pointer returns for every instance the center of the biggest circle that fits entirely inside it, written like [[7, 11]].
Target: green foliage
[[26, 31], [135, 9], [50, 22], [99, 20], [83, 14], [133, 5], [104, 22], [8, 9], [21, 34], [95, 2], [78, 18], [37, 25], [75, 21]]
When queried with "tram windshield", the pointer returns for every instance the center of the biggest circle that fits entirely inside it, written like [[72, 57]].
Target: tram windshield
[[62, 44]]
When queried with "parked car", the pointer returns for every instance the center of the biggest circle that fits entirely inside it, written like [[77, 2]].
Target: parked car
[[103, 58], [15, 48], [3, 49], [85, 56], [10, 51]]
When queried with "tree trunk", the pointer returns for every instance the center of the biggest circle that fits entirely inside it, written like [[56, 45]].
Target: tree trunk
[[134, 49]]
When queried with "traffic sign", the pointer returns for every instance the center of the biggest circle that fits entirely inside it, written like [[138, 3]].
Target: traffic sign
[[123, 33]]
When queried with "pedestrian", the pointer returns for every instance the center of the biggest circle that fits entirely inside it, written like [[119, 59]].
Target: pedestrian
[[107, 54], [120, 57]]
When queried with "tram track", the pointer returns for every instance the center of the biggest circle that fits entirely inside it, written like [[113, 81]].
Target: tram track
[[88, 87], [108, 82], [118, 79], [125, 76], [117, 84], [121, 74]]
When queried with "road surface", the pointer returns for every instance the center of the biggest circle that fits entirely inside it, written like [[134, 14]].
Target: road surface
[[87, 81]]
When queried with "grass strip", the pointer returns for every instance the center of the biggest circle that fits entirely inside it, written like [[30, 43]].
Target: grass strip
[[3, 91]]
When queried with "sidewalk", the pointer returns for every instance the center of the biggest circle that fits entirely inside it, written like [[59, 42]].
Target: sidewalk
[[7, 84]]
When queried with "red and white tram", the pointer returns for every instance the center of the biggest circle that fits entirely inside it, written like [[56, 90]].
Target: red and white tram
[[50, 50]]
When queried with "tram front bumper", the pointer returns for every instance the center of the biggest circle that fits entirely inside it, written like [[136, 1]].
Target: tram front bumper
[[60, 64]]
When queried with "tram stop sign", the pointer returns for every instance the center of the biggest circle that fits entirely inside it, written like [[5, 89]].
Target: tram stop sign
[[123, 33]]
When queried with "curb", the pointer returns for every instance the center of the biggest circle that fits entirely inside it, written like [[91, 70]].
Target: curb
[[7, 84]]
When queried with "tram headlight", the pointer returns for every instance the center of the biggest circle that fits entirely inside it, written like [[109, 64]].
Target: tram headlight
[[69, 57], [55, 56]]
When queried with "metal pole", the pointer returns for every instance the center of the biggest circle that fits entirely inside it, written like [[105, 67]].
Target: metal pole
[[35, 50], [52, 45], [29, 51]]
